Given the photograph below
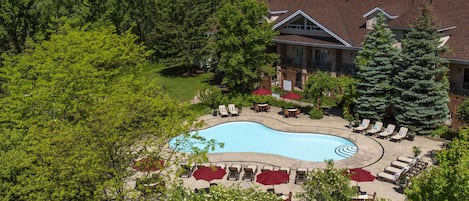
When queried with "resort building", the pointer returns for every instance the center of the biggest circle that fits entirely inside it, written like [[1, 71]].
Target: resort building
[[326, 34]]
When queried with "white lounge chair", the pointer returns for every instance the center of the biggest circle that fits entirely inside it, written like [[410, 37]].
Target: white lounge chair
[[232, 110], [406, 159], [401, 135], [388, 132], [363, 126], [222, 111], [400, 164], [393, 178], [377, 127], [392, 170]]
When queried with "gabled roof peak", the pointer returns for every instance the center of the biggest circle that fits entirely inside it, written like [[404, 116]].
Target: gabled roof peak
[[300, 12], [378, 9]]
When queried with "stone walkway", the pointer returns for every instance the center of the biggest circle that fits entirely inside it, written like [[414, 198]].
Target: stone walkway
[[373, 154]]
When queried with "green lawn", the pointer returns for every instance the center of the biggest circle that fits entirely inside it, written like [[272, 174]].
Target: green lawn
[[182, 88]]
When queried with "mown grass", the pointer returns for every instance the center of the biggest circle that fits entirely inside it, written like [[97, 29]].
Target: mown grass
[[182, 88]]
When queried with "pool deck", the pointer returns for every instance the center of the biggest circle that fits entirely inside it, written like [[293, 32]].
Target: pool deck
[[373, 154]]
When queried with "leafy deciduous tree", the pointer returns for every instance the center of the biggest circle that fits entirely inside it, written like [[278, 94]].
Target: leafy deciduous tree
[[449, 179], [72, 123], [319, 83], [242, 40], [327, 184]]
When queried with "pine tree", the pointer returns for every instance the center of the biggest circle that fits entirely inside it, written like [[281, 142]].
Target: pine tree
[[376, 66], [180, 36], [421, 83]]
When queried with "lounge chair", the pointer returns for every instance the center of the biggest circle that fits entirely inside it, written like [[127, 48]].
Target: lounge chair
[[393, 178], [186, 169], [363, 126], [300, 176], [400, 164], [392, 169], [233, 172], [285, 169], [401, 135], [377, 127], [267, 168], [388, 132], [232, 110], [406, 159], [220, 165], [222, 111], [249, 172]]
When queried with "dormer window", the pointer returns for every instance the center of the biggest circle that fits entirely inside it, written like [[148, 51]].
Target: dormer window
[[303, 24], [370, 17]]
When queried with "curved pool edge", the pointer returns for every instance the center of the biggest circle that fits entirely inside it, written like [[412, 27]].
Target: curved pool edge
[[369, 151]]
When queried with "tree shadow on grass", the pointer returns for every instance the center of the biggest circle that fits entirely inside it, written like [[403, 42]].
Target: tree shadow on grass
[[182, 71]]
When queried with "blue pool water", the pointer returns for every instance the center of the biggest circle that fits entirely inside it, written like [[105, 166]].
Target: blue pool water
[[255, 137]]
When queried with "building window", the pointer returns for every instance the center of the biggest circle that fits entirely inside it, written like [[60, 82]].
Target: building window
[[320, 57], [303, 24], [466, 79], [298, 55]]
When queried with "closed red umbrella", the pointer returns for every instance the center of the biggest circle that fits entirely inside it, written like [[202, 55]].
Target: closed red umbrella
[[209, 173], [262, 92], [361, 175], [272, 177], [291, 95]]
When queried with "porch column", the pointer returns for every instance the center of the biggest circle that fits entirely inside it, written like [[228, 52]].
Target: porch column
[[304, 57], [304, 77], [332, 59]]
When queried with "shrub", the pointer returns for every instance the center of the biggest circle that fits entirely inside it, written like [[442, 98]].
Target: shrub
[[445, 132], [316, 114], [209, 96]]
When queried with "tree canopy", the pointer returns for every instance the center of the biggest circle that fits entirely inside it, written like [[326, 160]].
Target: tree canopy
[[242, 40], [449, 179], [376, 67], [75, 116], [318, 84], [327, 184], [421, 82]]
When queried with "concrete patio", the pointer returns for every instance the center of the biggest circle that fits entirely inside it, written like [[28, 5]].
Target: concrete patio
[[374, 154]]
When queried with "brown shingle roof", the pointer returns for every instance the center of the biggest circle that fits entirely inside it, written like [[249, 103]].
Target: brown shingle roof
[[345, 17]]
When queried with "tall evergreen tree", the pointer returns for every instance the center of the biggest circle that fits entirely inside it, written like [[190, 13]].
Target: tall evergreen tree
[[242, 40], [376, 66], [180, 35], [421, 83]]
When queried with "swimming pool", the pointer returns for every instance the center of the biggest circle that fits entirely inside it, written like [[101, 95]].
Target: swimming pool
[[255, 137]]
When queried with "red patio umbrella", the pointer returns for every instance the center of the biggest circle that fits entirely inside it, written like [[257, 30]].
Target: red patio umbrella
[[262, 92], [209, 173], [272, 177], [291, 95], [361, 175]]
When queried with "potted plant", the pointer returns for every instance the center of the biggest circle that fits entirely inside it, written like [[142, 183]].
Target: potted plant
[[349, 118], [416, 151], [411, 136]]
